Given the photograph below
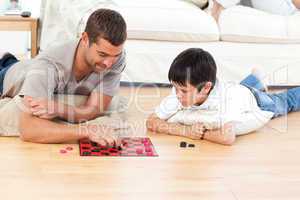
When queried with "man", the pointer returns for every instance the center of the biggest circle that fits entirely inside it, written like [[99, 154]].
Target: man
[[89, 66], [279, 7]]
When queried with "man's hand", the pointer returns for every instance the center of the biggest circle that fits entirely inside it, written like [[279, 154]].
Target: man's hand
[[103, 135], [42, 108], [216, 10]]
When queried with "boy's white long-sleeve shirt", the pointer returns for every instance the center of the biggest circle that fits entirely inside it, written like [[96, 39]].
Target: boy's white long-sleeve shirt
[[227, 102]]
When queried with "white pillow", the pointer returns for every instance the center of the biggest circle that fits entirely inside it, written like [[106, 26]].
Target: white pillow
[[245, 24], [248, 122], [169, 20], [10, 110]]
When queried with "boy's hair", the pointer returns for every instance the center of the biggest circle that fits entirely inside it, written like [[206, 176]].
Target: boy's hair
[[194, 66], [107, 24]]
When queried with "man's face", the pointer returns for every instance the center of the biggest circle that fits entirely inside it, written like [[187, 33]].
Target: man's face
[[189, 95], [101, 56]]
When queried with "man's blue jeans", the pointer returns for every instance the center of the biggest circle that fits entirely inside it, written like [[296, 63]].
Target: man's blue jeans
[[5, 63], [280, 104]]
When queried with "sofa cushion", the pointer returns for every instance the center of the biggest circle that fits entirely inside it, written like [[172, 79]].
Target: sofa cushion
[[244, 24], [170, 20]]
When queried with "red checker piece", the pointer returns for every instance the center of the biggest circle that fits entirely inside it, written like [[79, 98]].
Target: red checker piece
[[148, 149], [62, 151], [139, 151], [69, 148]]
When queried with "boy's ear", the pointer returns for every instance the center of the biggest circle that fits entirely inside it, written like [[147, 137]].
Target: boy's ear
[[207, 87]]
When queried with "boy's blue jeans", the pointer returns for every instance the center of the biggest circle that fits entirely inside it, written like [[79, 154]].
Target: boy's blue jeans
[[280, 104], [5, 63]]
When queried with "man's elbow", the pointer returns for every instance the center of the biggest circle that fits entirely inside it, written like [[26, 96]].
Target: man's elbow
[[26, 132]]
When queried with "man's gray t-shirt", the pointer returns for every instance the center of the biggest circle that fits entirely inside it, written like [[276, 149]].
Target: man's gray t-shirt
[[51, 73]]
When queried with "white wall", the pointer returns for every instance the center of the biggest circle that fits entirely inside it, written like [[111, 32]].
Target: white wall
[[18, 42]]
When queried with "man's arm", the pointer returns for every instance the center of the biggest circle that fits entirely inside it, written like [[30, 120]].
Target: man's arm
[[224, 135], [96, 104], [297, 3], [94, 107], [34, 129]]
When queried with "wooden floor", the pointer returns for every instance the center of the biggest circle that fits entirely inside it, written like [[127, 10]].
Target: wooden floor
[[260, 166]]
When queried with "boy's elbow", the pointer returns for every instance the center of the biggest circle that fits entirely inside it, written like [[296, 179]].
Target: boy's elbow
[[230, 135], [229, 140], [150, 123]]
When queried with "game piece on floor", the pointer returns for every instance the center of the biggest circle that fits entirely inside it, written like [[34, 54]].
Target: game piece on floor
[[183, 144], [69, 148], [135, 146], [62, 151], [191, 145]]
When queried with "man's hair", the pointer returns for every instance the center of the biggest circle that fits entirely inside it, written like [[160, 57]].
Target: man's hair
[[107, 24], [194, 66]]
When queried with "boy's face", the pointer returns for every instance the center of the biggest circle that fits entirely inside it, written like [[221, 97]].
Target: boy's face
[[189, 95]]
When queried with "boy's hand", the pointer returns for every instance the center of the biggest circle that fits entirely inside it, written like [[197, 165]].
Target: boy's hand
[[195, 131]]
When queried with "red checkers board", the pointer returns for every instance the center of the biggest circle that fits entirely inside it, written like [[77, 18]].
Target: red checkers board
[[131, 146]]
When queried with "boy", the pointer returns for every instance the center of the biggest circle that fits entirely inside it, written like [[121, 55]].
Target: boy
[[195, 87]]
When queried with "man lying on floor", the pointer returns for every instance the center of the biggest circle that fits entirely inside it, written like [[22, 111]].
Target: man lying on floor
[[201, 107], [89, 66]]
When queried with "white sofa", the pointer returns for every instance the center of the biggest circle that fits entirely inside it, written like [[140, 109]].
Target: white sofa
[[159, 30]]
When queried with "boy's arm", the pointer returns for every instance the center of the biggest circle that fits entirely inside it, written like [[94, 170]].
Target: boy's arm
[[225, 135]]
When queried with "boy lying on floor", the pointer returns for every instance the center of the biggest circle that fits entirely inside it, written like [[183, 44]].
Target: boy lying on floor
[[224, 110]]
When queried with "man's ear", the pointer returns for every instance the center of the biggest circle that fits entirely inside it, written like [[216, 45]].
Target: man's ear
[[85, 39]]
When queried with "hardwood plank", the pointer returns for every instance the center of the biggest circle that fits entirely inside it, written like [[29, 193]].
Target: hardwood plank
[[261, 165]]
